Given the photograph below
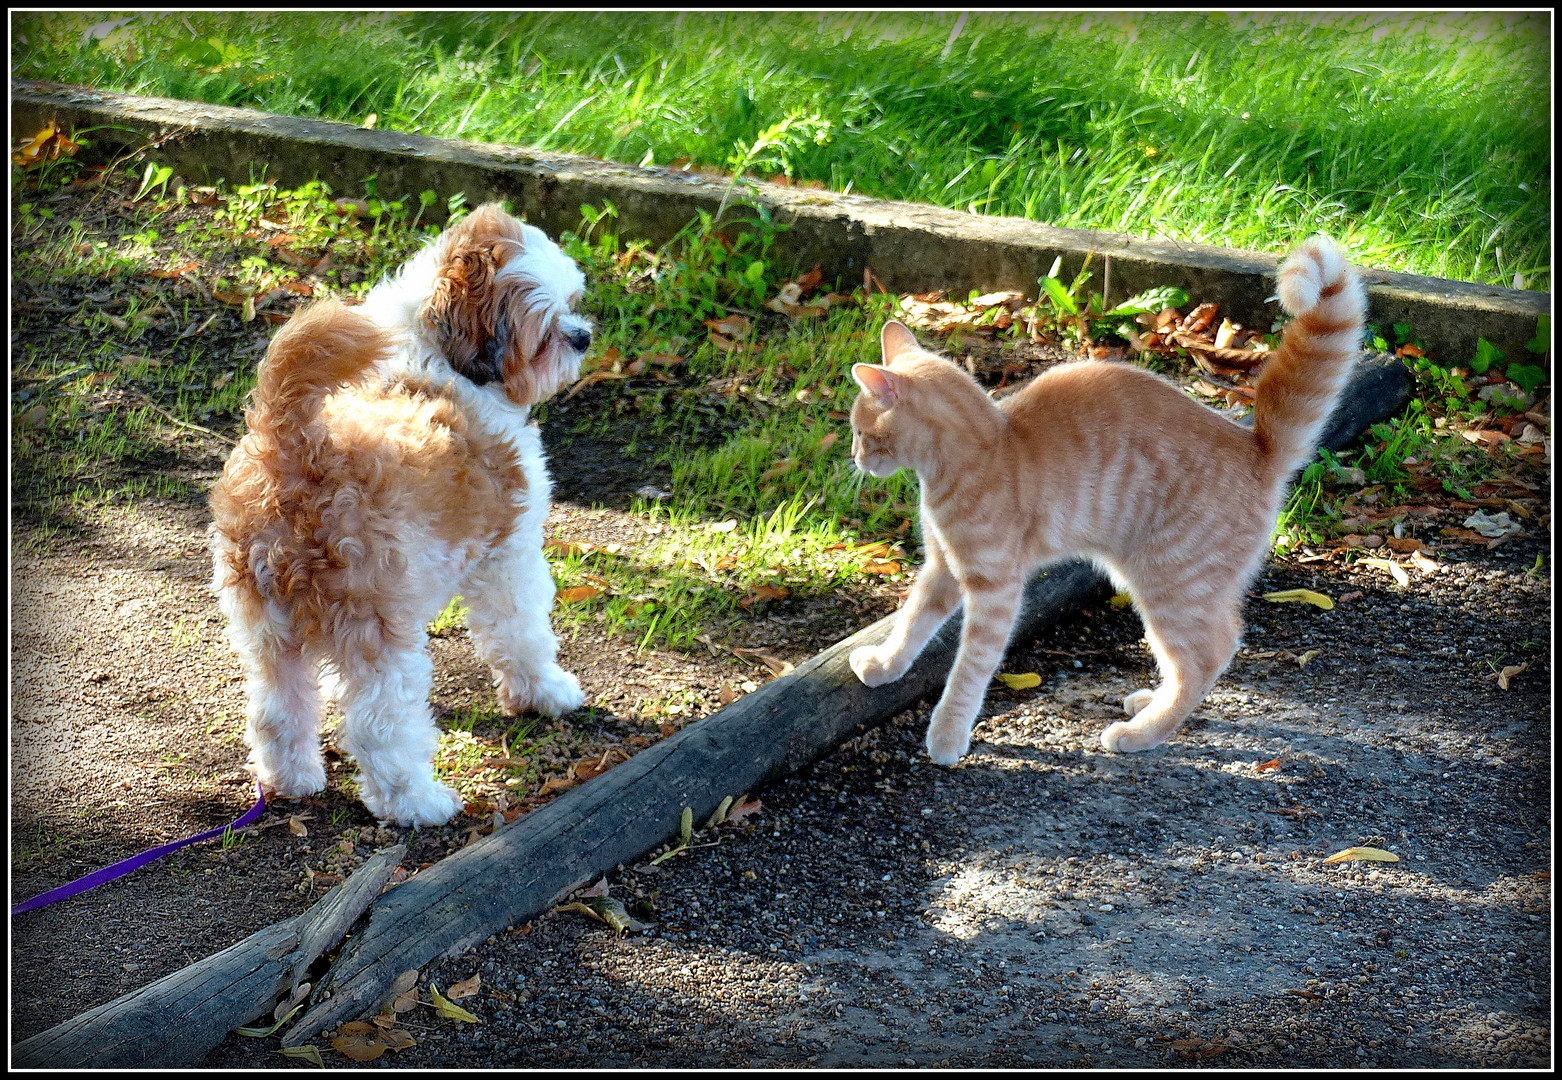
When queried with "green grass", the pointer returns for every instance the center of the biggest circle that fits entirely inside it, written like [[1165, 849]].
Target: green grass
[[1421, 141]]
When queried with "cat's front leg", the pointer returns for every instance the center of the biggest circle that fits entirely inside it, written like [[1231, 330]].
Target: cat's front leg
[[934, 595], [990, 611]]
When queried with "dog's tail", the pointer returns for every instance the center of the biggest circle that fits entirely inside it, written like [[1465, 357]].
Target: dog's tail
[[322, 347], [1299, 386]]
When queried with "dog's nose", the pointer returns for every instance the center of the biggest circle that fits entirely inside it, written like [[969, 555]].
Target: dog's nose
[[579, 338]]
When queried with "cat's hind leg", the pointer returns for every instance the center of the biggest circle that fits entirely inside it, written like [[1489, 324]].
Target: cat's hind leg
[[1192, 647]]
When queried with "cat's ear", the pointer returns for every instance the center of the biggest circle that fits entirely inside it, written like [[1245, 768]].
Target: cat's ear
[[895, 339], [878, 382]]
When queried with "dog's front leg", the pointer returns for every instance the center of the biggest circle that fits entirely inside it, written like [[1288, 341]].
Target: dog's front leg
[[509, 597]]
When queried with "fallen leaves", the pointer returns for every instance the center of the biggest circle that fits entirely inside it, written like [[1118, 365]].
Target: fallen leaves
[[726, 333], [1492, 525], [1389, 566], [47, 145], [1361, 854], [367, 1041], [449, 1009], [1020, 682], [1300, 596], [1511, 672]]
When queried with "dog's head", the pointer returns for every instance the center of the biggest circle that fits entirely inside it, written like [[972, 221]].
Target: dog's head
[[503, 306]]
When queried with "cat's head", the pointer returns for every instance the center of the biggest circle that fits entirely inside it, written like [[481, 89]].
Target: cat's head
[[880, 413]]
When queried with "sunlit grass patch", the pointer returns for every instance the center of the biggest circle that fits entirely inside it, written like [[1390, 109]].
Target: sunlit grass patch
[[1421, 139]]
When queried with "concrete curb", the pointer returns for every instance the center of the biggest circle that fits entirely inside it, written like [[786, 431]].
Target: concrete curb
[[911, 247]]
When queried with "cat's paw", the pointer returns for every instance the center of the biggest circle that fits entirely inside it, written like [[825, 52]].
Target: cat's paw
[[1135, 702], [947, 745], [1123, 737], [869, 669]]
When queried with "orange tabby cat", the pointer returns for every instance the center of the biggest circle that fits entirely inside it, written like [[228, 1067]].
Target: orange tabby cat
[[1107, 462]]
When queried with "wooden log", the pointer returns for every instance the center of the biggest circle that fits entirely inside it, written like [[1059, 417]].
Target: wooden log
[[178, 1019]]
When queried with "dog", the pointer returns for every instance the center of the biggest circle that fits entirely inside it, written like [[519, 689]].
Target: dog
[[388, 465]]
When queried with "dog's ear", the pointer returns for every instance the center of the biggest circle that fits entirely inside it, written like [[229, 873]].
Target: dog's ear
[[464, 309]]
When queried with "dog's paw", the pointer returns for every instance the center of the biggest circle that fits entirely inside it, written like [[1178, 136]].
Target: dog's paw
[[869, 669], [306, 778], [552, 692], [424, 803]]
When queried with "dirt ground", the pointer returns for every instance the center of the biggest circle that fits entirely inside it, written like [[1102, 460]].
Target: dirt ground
[[1043, 902]]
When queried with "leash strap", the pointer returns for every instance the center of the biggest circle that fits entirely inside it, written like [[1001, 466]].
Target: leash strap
[[125, 866]]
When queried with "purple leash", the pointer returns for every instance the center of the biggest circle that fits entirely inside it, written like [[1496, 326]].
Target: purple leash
[[125, 866]]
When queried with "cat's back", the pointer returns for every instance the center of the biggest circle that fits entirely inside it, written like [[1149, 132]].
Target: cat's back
[[1089, 393]]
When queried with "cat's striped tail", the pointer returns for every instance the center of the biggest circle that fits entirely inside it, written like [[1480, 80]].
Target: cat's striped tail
[[1299, 385]]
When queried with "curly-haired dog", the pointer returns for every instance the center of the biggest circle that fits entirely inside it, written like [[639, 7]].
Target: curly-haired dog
[[389, 464]]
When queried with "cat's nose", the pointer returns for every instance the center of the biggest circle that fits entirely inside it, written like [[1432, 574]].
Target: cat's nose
[[579, 338]]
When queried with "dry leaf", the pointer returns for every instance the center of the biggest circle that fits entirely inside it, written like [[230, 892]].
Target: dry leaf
[[594, 377], [1394, 569], [466, 988], [1300, 596], [296, 827], [1020, 682], [578, 593], [727, 694], [1301, 661], [1269, 766], [744, 807], [726, 344], [310, 1054], [763, 594], [449, 1010], [1509, 672], [366, 1042], [1362, 854], [885, 567], [732, 326]]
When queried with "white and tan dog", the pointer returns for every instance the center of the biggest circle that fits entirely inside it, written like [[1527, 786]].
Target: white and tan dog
[[389, 465]]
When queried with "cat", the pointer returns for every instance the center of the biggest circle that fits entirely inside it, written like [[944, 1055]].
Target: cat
[[1107, 462]]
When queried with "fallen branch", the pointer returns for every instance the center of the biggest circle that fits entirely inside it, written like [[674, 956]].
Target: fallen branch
[[178, 1019]]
